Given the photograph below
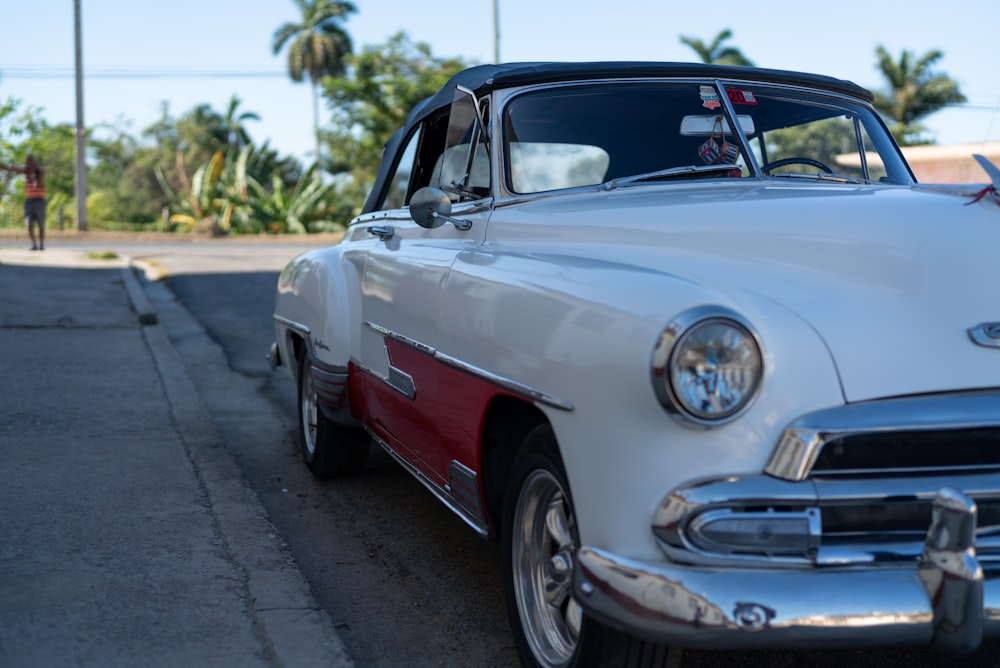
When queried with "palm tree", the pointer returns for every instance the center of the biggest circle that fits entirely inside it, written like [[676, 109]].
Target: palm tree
[[236, 134], [914, 92], [318, 45], [715, 53]]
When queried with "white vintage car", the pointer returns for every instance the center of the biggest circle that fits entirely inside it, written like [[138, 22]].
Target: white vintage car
[[690, 341]]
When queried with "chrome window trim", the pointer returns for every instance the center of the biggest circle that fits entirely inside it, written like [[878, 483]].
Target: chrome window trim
[[513, 386], [801, 442]]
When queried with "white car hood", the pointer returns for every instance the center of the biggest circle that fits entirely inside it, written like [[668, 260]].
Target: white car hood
[[891, 278]]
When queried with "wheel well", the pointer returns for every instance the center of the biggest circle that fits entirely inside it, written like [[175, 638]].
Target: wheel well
[[298, 345], [508, 421]]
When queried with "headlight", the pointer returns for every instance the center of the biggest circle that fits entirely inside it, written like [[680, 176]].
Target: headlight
[[707, 366]]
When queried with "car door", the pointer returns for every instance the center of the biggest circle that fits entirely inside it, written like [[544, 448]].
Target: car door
[[403, 284]]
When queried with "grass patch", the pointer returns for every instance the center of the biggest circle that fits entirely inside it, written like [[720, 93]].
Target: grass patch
[[102, 255]]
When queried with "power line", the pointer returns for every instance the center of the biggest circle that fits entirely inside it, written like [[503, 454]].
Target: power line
[[61, 72]]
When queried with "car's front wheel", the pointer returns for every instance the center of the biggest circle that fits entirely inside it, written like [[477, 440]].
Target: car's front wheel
[[327, 448], [540, 541]]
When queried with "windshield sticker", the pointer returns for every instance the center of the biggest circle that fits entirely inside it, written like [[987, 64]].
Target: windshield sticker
[[709, 98], [741, 97]]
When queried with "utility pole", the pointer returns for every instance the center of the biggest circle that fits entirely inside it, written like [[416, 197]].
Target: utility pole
[[81, 130], [496, 31]]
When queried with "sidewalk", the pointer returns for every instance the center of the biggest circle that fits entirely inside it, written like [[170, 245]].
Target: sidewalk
[[128, 536]]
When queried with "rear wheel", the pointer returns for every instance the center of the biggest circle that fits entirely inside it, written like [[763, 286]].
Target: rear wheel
[[327, 448]]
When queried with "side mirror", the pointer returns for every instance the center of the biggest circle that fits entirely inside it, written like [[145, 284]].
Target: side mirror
[[431, 208]]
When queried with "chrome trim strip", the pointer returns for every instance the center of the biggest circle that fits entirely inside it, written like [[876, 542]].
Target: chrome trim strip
[[478, 524], [399, 380], [399, 337], [463, 485], [505, 383], [291, 324], [801, 442]]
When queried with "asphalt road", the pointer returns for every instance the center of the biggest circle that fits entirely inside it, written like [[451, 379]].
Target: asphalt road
[[406, 582]]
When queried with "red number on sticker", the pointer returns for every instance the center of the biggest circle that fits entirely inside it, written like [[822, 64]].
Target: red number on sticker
[[741, 97]]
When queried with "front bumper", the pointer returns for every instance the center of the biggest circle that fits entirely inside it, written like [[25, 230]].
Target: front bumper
[[945, 600]]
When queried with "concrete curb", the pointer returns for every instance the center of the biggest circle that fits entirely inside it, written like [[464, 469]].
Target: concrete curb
[[296, 629], [140, 303]]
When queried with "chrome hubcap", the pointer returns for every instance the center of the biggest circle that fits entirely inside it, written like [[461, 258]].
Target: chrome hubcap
[[543, 551], [308, 409]]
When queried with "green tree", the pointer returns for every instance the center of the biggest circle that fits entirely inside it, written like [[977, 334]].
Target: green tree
[[224, 197], [23, 132], [318, 46], [121, 181], [914, 92], [385, 83], [714, 52], [182, 144], [234, 120]]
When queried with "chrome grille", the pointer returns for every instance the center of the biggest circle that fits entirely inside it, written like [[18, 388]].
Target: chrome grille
[[909, 451]]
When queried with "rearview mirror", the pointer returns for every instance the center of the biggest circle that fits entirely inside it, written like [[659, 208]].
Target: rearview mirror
[[707, 124], [431, 208]]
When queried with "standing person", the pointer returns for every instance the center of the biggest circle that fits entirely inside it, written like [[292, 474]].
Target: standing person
[[34, 199]]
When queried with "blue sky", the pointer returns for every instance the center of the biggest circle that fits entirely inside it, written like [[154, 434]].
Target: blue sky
[[199, 41]]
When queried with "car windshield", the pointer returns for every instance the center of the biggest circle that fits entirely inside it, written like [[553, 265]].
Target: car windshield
[[621, 133]]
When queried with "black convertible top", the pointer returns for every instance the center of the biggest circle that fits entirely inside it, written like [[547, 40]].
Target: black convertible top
[[482, 79]]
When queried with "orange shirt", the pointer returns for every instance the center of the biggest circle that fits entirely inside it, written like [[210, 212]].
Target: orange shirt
[[34, 185]]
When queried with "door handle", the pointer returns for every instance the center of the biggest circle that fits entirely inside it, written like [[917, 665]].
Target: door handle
[[383, 232]]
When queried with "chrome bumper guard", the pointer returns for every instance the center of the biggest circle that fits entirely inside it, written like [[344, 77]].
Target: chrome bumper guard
[[273, 356], [945, 600]]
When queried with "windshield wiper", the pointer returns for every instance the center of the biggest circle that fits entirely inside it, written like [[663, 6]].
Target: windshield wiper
[[824, 176], [671, 173]]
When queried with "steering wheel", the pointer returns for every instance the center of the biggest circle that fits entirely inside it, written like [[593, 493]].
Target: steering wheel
[[797, 160]]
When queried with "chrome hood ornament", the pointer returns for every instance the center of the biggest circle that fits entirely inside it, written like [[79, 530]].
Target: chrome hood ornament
[[986, 334]]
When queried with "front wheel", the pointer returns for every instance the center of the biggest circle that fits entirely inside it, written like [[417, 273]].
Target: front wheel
[[540, 541], [328, 449]]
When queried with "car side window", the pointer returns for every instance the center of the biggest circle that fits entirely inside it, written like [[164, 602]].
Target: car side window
[[396, 197], [463, 170]]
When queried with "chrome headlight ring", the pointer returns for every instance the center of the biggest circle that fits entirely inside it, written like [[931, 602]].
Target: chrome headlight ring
[[707, 366]]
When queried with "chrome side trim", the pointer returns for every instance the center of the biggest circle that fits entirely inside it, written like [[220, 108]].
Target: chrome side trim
[[802, 441], [463, 485], [291, 324], [399, 380], [399, 337], [478, 523], [505, 383]]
